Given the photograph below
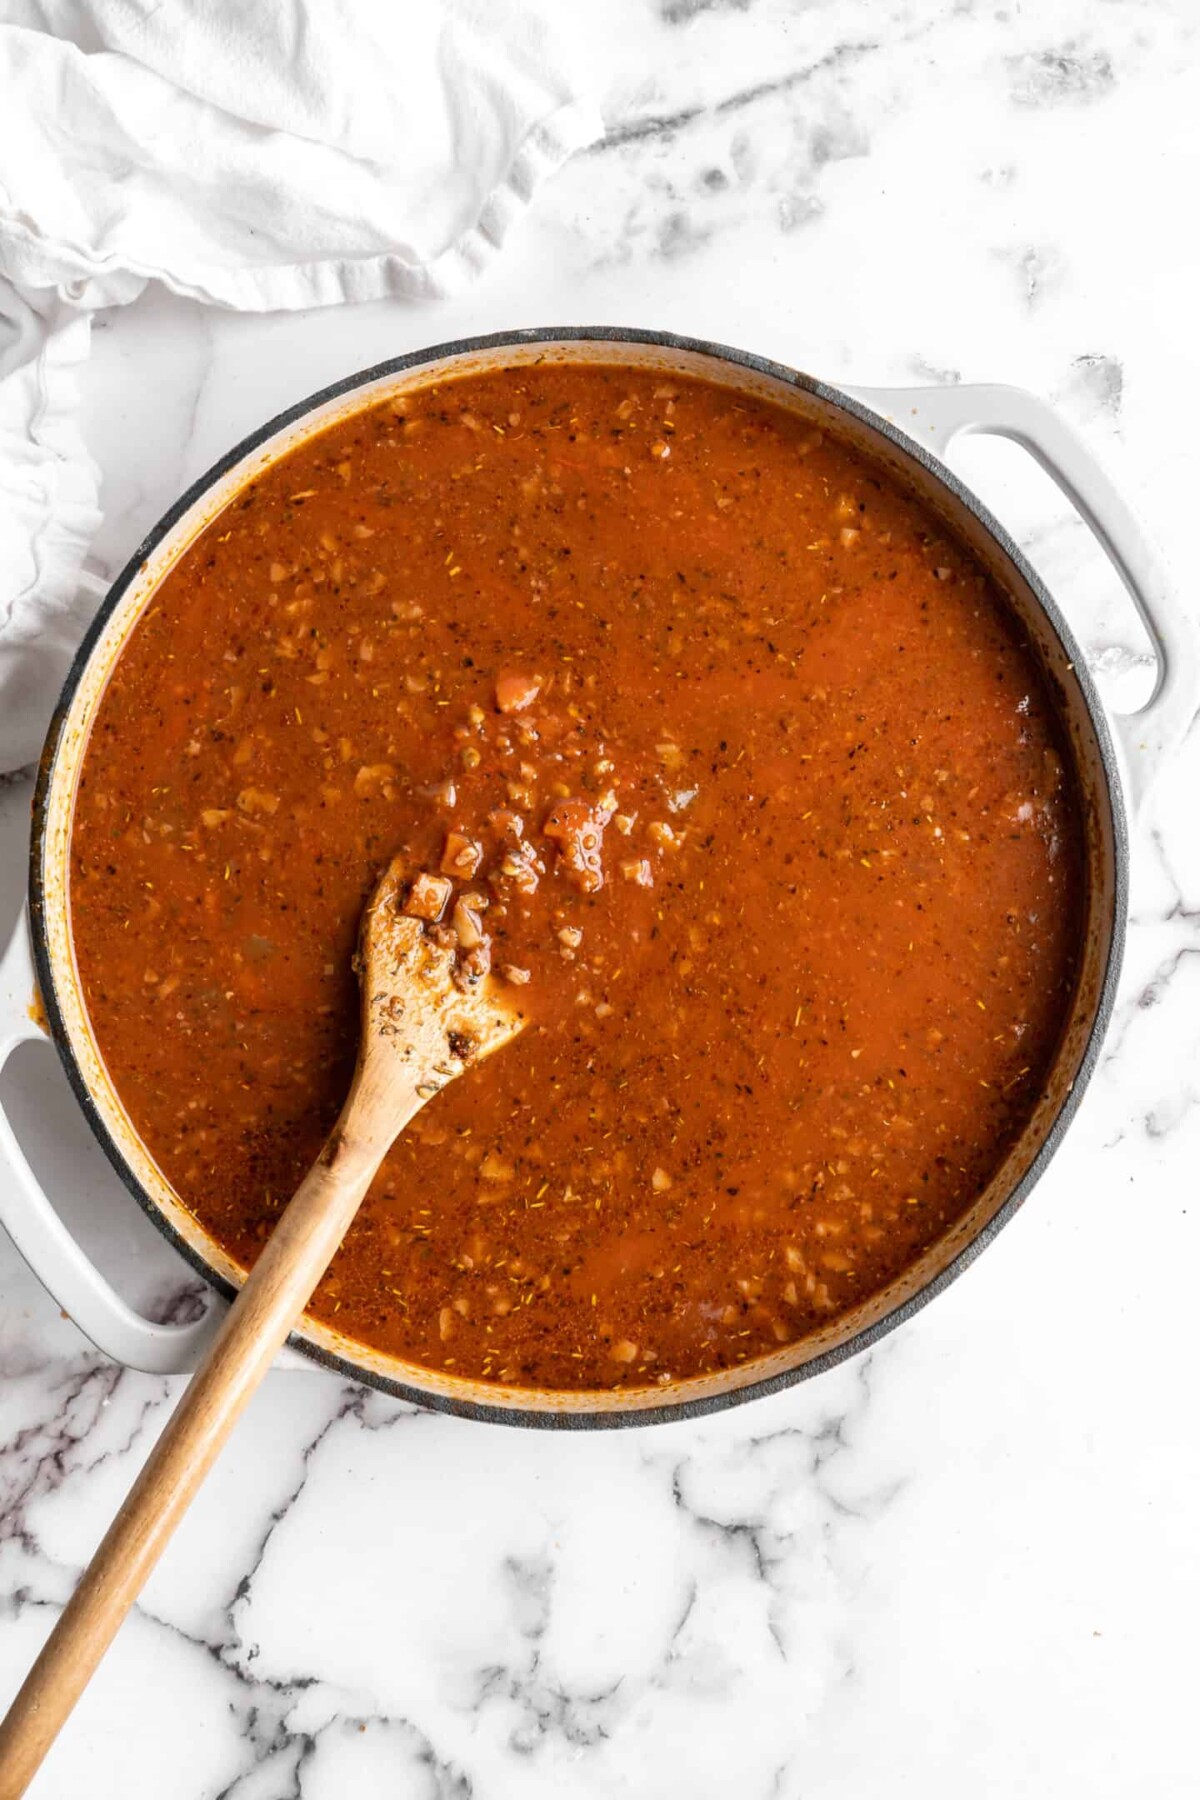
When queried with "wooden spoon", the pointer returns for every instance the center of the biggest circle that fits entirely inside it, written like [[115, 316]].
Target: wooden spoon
[[419, 1031]]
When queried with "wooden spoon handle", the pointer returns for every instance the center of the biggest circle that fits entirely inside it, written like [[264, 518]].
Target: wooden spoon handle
[[276, 1292]]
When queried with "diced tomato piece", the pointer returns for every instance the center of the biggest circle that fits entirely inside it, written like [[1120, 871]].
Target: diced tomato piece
[[578, 829], [427, 897], [515, 691]]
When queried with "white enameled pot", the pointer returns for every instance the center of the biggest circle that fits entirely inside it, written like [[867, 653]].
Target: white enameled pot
[[905, 431]]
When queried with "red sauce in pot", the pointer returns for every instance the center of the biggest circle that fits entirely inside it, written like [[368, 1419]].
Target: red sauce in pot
[[703, 733]]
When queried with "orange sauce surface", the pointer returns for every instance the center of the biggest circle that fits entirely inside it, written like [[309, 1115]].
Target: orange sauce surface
[[746, 776]]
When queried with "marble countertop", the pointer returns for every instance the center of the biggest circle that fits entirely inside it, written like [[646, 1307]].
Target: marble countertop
[[968, 1562]]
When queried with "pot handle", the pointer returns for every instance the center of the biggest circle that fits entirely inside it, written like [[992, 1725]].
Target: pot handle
[[935, 416], [44, 1241]]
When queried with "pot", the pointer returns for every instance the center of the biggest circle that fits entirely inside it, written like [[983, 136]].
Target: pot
[[904, 431]]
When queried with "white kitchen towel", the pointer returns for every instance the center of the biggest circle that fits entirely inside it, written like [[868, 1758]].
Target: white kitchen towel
[[279, 154]]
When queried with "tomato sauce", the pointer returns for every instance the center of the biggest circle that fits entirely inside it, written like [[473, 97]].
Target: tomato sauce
[[691, 724]]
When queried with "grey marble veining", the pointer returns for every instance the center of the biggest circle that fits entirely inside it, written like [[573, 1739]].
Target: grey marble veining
[[968, 1562]]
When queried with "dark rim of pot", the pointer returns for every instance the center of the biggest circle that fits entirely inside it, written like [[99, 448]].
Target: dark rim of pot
[[566, 1418]]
